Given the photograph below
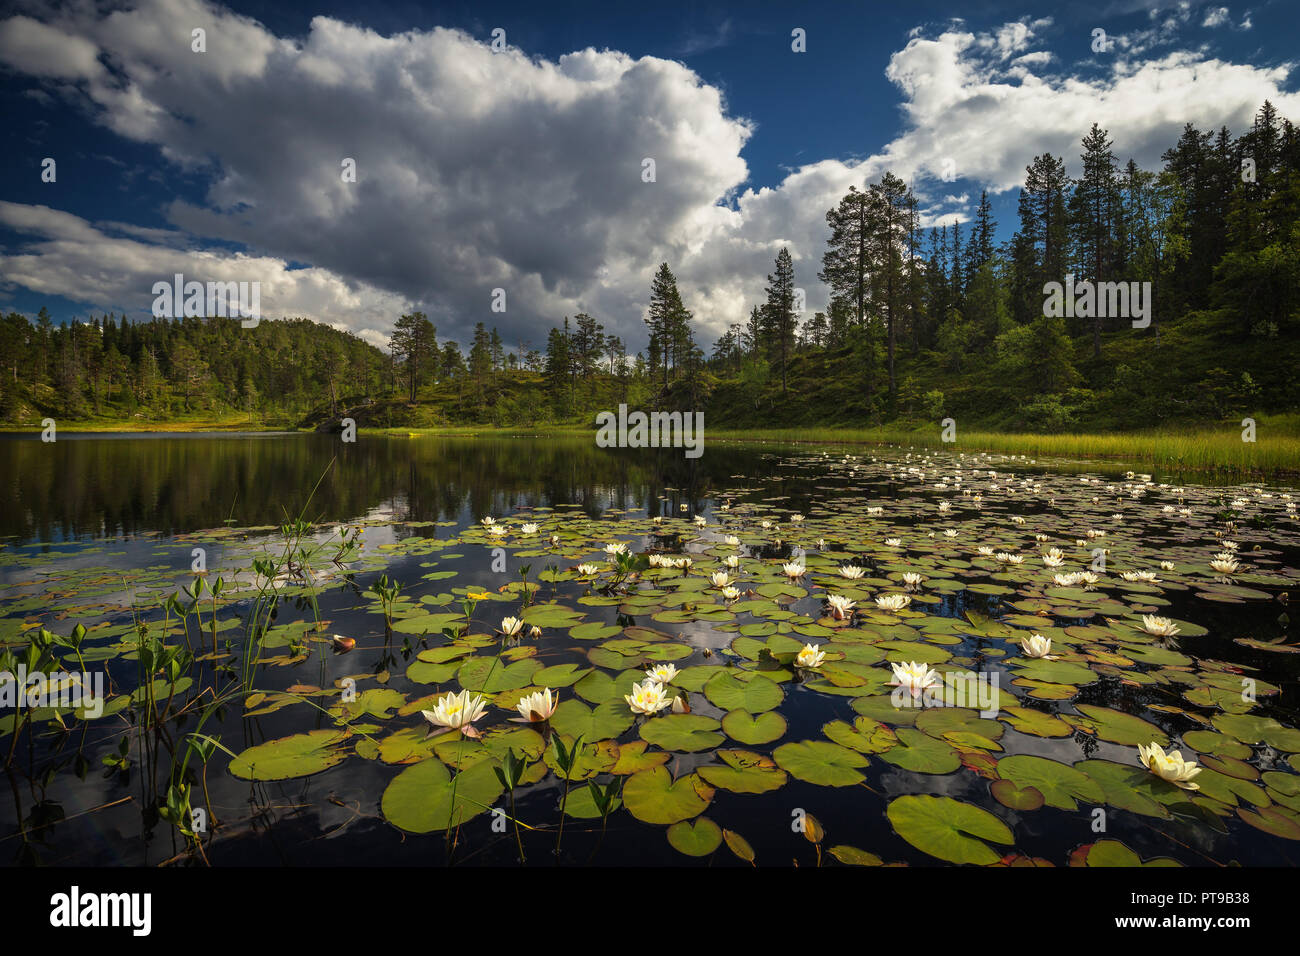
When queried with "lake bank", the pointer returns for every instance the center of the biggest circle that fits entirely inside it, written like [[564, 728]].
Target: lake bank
[[1275, 452]]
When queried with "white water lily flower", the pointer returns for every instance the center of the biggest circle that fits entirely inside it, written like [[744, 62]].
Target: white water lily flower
[[662, 673], [810, 656], [732, 541], [893, 602], [915, 677], [795, 519], [793, 570], [1005, 558], [841, 607], [1166, 565], [893, 542], [1225, 563], [765, 525], [1065, 580], [1158, 626], [701, 521], [1036, 646], [529, 528], [1169, 766], [985, 550], [511, 626], [951, 533], [1088, 580], [719, 579], [1145, 576], [588, 570], [680, 706], [1053, 560], [732, 561], [656, 560], [648, 697], [618, 547], [821, 544], [536, 707], [944, 507], [498, 530], [683, 563], [489, 521], [731, 593], [534, 631], [851, 572], [876, 510], [658, 519], [456, 712]]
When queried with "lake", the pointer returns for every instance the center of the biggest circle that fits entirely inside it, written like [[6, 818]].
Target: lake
[[235, 729]]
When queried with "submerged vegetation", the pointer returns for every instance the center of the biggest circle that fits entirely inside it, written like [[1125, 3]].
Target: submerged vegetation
[[928, 657]]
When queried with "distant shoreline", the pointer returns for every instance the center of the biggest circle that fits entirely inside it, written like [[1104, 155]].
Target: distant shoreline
[[1202, 450]]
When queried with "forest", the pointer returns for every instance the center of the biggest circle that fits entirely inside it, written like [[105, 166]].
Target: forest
[[922, 323]]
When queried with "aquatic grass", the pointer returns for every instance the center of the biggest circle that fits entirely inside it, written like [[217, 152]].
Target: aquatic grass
[[1217, 451]]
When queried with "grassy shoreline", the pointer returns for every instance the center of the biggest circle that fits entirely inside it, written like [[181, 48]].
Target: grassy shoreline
[[1216, 450]]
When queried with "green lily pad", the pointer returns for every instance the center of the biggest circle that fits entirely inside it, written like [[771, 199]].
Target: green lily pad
[[948, 829]]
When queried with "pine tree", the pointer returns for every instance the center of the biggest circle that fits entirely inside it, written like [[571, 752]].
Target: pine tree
[[778, 315]]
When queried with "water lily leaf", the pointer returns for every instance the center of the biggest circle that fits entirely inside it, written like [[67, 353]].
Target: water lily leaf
[[1060, 785], [298, 755], [605, 721], [491, 675], [1054, 672], [1132, 788], [863, 735], [1016, 798], [921, 753], [593, 631], [948, 829], [821, 762], [425, 797], [1036, 722], [1121, 728], [687, 733], [754, 694], [581, 804], [653, 796], [1114, 853], [745, 772], [753, 729], [1276, 821], [430, 623], [551, 615], [698, 837]]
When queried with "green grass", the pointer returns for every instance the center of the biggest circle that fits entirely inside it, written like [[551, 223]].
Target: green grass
[[1275, 452]]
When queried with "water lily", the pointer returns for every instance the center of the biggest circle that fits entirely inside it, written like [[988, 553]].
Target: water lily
[[1158, 626], [951, 533], [489, 521], [793, 570], [795, 519], [732, 540], [985, 550], [662, 673], [893, 602], [536, 707], [1036, 646], [618, 547], [683, 563], [511, 626], [658, 561], [701, 521], [915, 677], [1166, 565], [534, 631], [680, 706], [1006, 558], [529, 528], [851, 571], [588, 570], [731, 593], [1148, 577], [719, 579], [1169, 766], [893, 542], [913, 580], [810, 656], [498, 530], [648, 697], [456, 712], [841, 607], [732, 561], [1225, 563]]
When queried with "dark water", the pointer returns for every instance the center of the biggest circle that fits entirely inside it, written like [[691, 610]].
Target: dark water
[[134, 503]]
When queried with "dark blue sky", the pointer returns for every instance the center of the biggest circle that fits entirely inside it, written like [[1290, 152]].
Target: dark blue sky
[[835, 103]]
